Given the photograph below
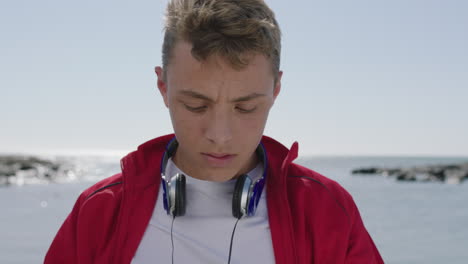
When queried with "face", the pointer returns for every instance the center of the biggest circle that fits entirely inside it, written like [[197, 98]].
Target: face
[[218, 113]]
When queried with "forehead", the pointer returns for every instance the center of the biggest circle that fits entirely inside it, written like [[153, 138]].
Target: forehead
[[184, 70]]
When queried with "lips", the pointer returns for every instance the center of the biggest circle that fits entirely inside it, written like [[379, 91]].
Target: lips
[[218, 155], [218, 159]]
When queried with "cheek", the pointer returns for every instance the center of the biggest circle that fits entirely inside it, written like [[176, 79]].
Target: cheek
[[181, 119], [252, 126], [187, 126]]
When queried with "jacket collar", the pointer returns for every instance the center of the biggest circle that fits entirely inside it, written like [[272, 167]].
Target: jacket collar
[[280, 220], [144, 164]]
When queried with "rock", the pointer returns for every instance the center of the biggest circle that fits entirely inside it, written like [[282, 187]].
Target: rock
[[453, 176], [406, 176], [451, 173], [366, 171], [18, 170]]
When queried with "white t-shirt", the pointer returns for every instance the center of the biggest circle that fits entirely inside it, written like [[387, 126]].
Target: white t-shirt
[[203, 234]]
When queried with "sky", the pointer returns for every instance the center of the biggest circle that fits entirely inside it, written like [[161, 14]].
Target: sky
[[361, 77]]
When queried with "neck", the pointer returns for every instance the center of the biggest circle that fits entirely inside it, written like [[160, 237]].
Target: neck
[[218, 175]]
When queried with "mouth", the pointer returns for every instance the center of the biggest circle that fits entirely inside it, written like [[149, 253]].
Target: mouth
[[218, 159], [218, 155]]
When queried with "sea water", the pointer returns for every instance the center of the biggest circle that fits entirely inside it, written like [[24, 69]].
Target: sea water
[[411, 223]]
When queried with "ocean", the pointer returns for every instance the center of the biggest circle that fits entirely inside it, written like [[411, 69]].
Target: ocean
[[410, 222]]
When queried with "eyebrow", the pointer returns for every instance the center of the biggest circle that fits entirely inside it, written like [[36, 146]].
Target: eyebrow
[[206, 98]]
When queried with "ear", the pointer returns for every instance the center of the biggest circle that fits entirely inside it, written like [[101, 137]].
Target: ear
[[162, 85], [277, 88]]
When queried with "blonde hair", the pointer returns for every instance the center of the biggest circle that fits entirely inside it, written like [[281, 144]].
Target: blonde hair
[[232, 29]]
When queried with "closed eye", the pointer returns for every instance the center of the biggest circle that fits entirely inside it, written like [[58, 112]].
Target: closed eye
[[198, 109], [245, 110]]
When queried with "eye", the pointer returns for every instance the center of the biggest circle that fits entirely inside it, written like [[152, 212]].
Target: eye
[[198, 109], [245, 110]]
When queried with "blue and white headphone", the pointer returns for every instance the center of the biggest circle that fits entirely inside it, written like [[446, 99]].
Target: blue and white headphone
[[246, 192]]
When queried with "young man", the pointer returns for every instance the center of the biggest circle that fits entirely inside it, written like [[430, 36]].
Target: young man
[[217, 191]]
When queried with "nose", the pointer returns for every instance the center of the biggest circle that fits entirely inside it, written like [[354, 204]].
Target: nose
[[218, 127]]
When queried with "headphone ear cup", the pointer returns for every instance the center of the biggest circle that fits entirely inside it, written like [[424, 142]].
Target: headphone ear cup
[[179, 209], [237, 197]]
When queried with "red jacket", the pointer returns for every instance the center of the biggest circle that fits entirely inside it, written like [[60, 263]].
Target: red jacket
[[312, 218]]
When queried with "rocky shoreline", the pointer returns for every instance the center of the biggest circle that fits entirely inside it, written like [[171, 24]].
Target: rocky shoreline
[[451, 173], [19, 170]]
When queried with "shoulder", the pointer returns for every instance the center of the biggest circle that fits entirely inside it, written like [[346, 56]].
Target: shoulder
[[325, 207], [306, 185], [98, 205], [102, 193], [88, 225], [111, 183]]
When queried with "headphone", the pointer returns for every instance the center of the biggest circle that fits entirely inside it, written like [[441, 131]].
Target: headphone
[[246, 192]]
